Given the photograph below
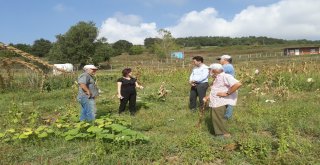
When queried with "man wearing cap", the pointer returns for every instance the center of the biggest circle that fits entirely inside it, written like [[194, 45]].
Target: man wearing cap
[[88, 91], [226, 62], [223, 92], [198, 81]]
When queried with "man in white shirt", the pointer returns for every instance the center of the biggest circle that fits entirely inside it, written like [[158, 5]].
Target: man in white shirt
[[199, 82]]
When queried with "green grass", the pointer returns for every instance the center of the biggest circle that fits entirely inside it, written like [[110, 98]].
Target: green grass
[[284, 132]]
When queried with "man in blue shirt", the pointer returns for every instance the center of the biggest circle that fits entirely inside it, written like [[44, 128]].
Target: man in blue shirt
[[88, 91], [226, 62], [199, 82]]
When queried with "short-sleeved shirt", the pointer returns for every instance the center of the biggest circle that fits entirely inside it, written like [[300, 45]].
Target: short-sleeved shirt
[[127, 85], [200, 74], [223, 83], [86, 78], [228, 69]]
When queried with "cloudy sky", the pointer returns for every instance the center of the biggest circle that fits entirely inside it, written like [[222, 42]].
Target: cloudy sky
[[134, 20]]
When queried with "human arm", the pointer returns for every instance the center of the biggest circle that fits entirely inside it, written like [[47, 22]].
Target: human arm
[[138, 86], [119, 90], [85, 89], [233, 88], [191, 82]]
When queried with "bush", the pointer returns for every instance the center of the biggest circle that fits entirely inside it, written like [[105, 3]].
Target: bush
[[136, 49]]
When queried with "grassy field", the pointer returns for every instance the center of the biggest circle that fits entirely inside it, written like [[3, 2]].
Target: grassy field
[[276, 120]]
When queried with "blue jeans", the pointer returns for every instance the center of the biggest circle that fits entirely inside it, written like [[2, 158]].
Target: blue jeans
[[229, 111], [88, 108]]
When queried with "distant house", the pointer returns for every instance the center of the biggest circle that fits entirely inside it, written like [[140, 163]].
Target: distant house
[[301, 51]]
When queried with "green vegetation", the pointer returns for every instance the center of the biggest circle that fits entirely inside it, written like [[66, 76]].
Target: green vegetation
[[275, 122]]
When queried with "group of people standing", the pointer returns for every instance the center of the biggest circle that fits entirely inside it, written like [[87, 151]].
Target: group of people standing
[[222, 96], [88, 91], [223, 93]]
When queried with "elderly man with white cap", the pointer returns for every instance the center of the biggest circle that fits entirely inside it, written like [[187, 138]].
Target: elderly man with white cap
[[223, 92], [88, 91], [226, 62]]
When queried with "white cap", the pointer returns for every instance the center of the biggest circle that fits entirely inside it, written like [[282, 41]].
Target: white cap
[[216, 66], [225, 56], [89, 67]]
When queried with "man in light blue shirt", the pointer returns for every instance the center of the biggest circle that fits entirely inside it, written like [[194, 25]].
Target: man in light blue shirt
[[226, 62], [199, 82]]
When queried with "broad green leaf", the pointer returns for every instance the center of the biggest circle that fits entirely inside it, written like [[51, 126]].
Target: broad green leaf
[[11, 130], [99, 121], [105, 136], [129, 132], [94, 129], [81, 124], [69, 137], [27, 129], [59, 125], [117, 127], [43, 135], [2, 135], [72, 132], [50, 130], [66, 125], [82, 135], [23, 136], [75, 118], [39, 129], [27, 133]]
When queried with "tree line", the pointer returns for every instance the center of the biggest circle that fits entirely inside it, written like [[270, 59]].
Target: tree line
[[79, 45]]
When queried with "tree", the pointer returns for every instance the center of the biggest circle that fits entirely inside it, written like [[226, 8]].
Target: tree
[[103, 51], [149, 42], [76, 45], [24, 47], [41, 47], [166, 45], [136, 49], [122, 46]]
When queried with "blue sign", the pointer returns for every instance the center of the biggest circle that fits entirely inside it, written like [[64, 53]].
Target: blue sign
[[179, 55]]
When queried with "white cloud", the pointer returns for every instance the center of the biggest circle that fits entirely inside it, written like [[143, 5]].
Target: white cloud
[[128, 19], [287, 19], [61, 8], [114, 29]]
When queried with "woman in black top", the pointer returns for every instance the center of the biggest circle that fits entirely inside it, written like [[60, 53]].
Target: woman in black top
[[127, 91]]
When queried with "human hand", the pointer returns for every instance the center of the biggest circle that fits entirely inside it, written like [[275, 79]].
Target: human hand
[[192, 83], [206, 98], [141, 87], [120, 97], [222, 94], [88, 93]]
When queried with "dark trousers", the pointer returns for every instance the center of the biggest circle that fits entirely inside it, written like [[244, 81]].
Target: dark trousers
[[131, 97], [197, 91]]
